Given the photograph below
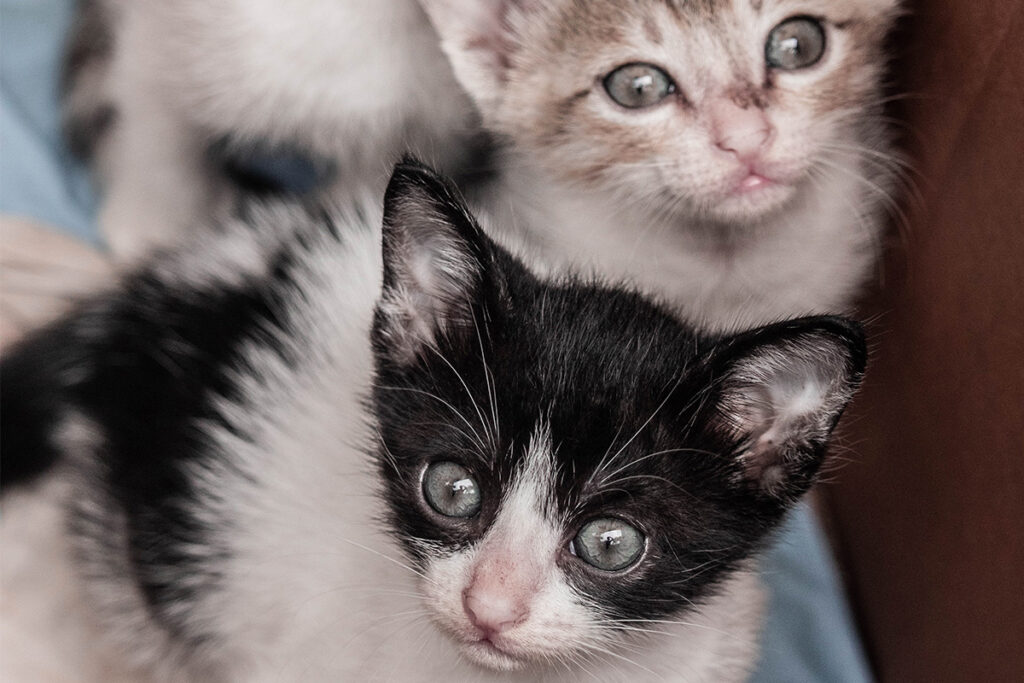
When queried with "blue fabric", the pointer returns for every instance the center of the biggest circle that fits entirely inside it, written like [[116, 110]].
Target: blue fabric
[[38, 178], [809, 635]]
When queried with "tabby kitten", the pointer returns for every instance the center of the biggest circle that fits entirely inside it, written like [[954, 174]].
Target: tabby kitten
[[284, 456], [727, 155]]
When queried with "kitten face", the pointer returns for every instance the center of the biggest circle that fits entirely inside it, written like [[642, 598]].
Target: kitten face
[[565, 462], [744, 102]]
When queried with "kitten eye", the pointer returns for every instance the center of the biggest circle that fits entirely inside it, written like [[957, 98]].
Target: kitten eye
[[608, 543], [796, 43], [451, 490], [638, 85]]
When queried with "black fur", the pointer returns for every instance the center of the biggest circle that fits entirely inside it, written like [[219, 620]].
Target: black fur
[[143, 365], [261, 169]]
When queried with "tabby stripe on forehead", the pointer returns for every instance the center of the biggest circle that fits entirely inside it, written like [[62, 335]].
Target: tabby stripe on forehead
[[652, 31], [705, 9]]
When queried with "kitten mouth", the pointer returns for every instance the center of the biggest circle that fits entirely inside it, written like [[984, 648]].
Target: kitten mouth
[[487, 653], [488, 643], [754, 182], [751, 194]]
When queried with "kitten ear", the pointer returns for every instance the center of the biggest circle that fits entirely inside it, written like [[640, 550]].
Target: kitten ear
[[779, 393], [479, 36], [434, 260]]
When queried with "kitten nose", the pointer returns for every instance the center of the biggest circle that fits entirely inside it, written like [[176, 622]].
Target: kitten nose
[[742, 131], [493, 613]]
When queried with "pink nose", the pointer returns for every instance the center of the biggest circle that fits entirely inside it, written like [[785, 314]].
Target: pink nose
[[492, 613], [742, 131]]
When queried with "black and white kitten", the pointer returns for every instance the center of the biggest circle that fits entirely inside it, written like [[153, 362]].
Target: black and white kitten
[[282, 457]]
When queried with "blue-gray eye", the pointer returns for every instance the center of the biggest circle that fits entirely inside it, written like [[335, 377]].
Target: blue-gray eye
[[451, 490], [608, 543], [796, 43], [638, 85]]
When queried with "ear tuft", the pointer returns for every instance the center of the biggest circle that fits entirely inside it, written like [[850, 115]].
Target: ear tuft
[[434, 258], [783, 390]]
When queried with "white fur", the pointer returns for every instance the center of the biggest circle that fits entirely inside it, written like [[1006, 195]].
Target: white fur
[[811, 258], [522, 541], [45, 632], [357, 81]]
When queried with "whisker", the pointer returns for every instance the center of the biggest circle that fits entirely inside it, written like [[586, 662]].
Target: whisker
[[654, 414], [631, 463], [479, 440], [476, 406], [492, 391], [608, 653]]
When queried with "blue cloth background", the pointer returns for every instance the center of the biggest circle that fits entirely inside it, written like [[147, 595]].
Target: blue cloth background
[[809, 635]]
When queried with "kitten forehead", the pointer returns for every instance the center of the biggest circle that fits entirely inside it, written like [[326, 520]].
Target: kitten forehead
[[536, 471], [601, 34], [527, 517], [710, 10], [599, 20], [602, 27]]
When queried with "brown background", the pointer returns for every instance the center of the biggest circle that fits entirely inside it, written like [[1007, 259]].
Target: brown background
[[929, 516]]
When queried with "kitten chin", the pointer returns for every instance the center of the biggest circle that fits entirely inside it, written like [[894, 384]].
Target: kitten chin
[[749, 201]]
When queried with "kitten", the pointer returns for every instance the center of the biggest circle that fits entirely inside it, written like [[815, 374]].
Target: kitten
[[728, 155], [170, 100], [283, 456]]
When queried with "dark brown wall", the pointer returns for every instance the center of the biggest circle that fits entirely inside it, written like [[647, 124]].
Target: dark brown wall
[[930, 515]]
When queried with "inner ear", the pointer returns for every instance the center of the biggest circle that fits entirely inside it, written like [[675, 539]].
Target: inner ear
[[478, 37], [434, 258], [782, 390]]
